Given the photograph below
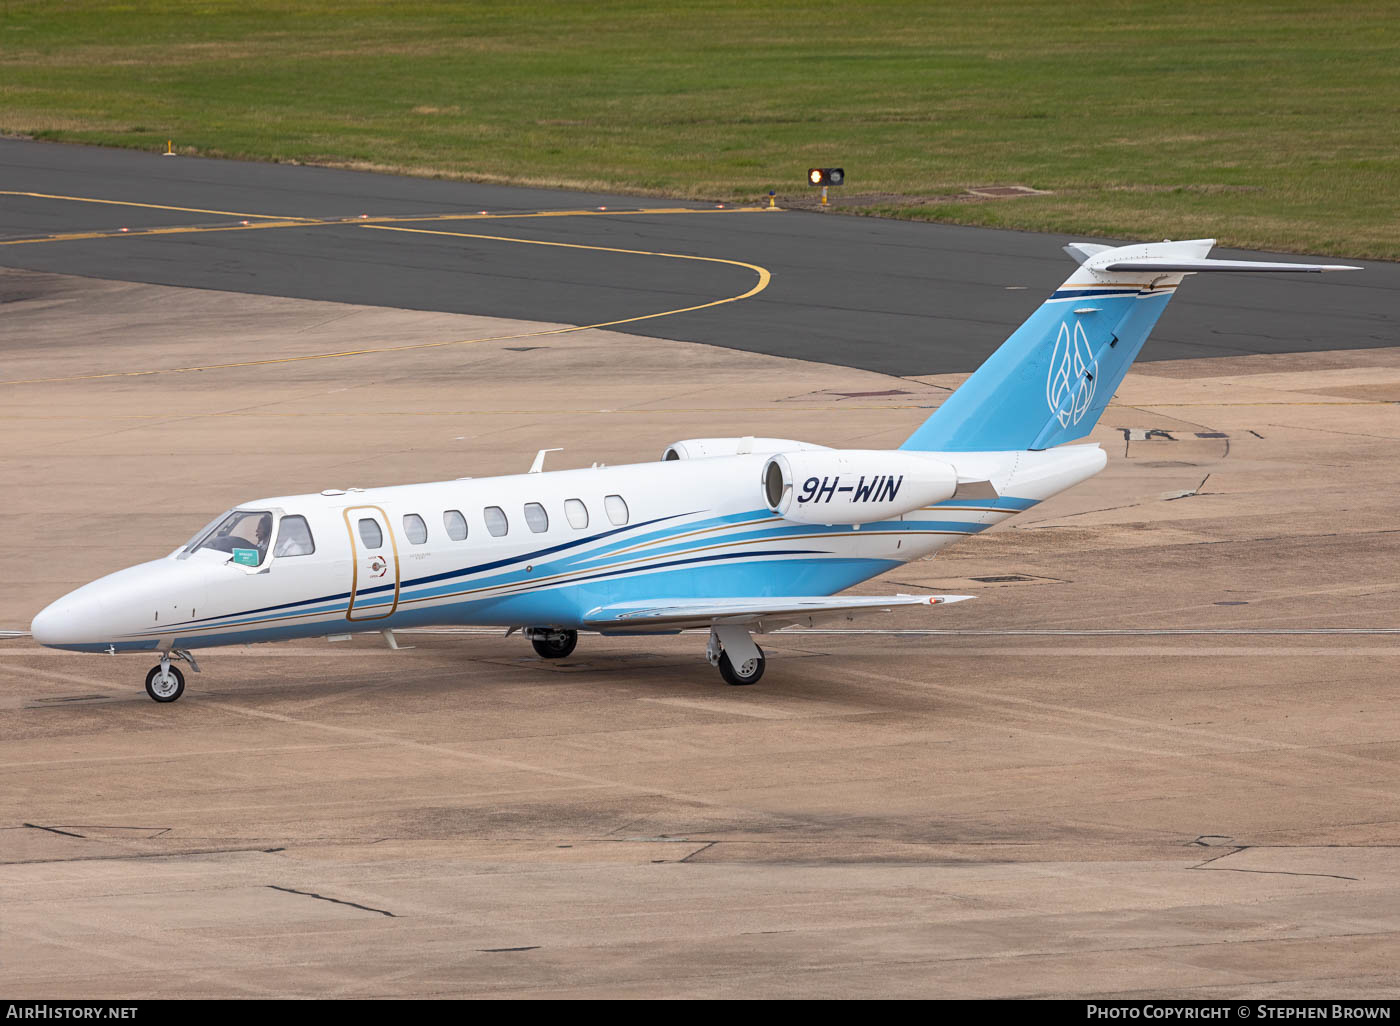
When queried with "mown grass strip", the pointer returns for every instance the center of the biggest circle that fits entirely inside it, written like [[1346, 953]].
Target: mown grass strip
[[1267, 124]]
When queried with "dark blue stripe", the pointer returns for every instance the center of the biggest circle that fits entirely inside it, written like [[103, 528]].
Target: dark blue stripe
[[446, 575], [1097, 293]]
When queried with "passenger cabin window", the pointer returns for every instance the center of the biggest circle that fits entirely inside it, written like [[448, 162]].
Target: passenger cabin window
[[536, 518], [370, 534], [577, 513], [243, 534], [294, 538], [496, 521], [455, 524], [414, 529], [617, 509]]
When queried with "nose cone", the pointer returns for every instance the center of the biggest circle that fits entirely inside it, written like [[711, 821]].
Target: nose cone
[[122, 609], [77, 619]]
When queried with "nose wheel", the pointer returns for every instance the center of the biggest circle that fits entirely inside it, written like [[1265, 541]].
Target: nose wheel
[[165, 683]]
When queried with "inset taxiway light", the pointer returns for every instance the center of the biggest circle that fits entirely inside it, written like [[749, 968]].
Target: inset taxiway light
[[821, 176]]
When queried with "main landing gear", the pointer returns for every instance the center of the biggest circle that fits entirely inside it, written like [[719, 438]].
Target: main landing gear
[[732, 649], [165, 683], [551, 642]]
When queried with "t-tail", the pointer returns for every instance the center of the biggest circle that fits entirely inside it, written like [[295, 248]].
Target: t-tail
[[1051, 380]]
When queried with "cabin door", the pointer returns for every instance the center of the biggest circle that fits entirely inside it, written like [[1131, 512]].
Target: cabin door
[[374, 563]]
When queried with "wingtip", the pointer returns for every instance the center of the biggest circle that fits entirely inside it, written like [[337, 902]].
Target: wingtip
[[941, 600]]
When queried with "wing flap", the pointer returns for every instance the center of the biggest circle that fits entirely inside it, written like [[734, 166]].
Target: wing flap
[[761, 614]]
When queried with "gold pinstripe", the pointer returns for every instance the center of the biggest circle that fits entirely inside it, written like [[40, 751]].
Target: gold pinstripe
[[554, 580]]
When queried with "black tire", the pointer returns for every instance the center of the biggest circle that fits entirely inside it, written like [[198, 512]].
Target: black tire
[[556, 647], [164, 695], [731, 675]]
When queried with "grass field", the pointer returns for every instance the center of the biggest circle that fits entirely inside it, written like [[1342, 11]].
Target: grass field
[[1270, 125]]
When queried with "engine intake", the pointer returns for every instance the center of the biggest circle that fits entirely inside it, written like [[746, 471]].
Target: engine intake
[[853, 486]]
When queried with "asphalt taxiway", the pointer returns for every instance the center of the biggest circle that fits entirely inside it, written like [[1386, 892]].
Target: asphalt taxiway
[[880, 295], [1156, 756]]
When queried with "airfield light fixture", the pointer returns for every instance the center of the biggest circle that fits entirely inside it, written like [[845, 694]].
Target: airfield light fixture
[[822, 177]]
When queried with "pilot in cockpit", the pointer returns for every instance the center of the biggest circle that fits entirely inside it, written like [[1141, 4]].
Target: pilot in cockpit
[[261, 534]]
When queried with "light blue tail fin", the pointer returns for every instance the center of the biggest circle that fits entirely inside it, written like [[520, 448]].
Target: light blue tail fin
[[1051, 380]]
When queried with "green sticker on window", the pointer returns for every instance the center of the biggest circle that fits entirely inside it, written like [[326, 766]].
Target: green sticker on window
[[245, 557]]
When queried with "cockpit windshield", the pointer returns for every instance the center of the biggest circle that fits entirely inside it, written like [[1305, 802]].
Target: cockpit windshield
[[243, 534]]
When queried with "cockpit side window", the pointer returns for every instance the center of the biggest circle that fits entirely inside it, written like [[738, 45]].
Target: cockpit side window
[[243, 534], [294, 538]]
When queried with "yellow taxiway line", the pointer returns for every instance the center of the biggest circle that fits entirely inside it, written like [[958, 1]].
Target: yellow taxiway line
[[386, 223], [275, 221], [148, 206], [764, 277]]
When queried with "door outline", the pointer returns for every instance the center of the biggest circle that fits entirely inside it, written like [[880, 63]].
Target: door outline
[[356, 550]]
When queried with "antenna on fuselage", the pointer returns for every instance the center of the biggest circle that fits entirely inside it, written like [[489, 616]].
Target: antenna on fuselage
[[538, 465]]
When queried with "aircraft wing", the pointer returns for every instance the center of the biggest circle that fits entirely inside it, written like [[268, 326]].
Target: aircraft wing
[[759, 614]]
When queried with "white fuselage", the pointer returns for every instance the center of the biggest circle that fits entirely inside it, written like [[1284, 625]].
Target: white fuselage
[[393, 557]]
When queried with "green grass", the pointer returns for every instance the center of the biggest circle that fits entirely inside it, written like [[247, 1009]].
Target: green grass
[[1271, 125]]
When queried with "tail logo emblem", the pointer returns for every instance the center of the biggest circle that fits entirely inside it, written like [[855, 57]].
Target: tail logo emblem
[[1069, 387]]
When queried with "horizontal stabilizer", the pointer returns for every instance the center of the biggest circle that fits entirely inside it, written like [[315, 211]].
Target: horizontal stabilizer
[[1206, 264], [762, 614]]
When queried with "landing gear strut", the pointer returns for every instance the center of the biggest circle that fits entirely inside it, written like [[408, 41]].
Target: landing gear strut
[[551, 643], [732, 649], [165, 683]]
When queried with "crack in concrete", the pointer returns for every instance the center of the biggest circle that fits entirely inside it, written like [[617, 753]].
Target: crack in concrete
[[1264, 872], [334, 901], [698, 851], [129, 855]]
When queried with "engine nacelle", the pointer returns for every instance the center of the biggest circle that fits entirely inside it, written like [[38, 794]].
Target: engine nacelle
[[854, 486], [699, 448]]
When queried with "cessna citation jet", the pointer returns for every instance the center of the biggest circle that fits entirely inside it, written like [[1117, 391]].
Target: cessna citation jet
[[737, 535]]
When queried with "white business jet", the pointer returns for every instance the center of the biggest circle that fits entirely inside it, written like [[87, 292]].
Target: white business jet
[[737, 535]]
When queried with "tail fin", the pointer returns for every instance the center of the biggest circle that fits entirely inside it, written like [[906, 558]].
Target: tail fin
[[1051, 380]]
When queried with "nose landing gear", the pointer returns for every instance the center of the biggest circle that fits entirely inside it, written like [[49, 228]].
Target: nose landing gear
[[165, 683]]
